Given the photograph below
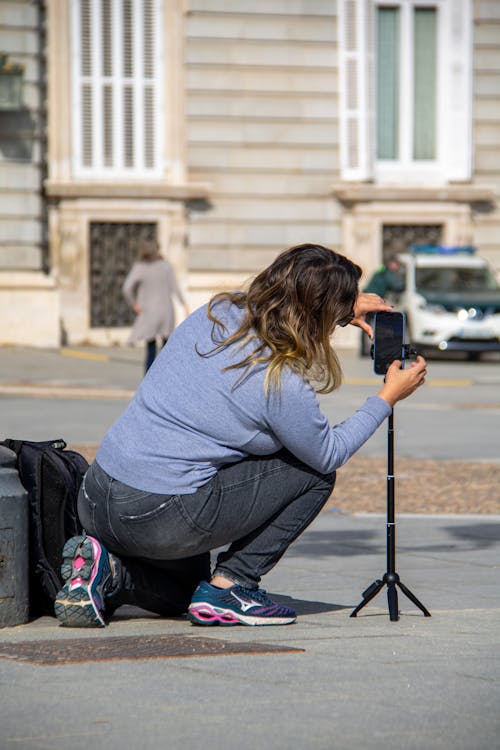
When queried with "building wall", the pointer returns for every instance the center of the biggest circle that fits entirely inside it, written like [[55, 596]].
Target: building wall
[[262, 103], [254, 124], [29, 299], [77, 203], [262, 128], [22, 220], [486, 114]]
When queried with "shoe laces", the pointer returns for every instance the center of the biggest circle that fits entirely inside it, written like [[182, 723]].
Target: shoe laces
[[259, 595]]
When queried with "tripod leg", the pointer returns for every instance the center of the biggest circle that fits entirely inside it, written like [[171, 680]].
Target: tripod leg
[[392, 600], [413, 598], [368, 595]]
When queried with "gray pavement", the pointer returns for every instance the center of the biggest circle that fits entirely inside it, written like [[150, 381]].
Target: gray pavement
[[338, 682], [77, 394]]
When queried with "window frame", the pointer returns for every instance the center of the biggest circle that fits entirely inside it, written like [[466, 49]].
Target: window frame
[[396, 170], [453, 160], [97, 81]]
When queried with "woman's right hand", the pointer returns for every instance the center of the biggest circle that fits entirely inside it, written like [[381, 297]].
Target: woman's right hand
[[400, 384]]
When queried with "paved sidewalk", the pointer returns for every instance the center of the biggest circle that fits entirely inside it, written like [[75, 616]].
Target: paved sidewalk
[[329, 681], [336, 682]]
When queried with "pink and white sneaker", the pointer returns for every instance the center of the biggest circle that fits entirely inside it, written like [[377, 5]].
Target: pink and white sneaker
[[87, 572]]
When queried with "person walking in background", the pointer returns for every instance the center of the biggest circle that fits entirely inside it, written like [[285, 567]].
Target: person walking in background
[[150, 288]]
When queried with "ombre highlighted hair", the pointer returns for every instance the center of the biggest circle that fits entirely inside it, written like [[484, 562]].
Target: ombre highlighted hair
[[291, 310]]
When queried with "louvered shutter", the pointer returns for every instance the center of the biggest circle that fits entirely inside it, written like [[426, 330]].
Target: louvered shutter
[[356, 89], [117, 87], [456, 130]]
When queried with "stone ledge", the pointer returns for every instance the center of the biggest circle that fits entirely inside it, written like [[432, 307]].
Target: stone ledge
[[136, 190], [19, 280], [349, 193]]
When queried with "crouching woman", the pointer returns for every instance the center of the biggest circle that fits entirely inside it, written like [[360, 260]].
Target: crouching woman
[[225, 445]]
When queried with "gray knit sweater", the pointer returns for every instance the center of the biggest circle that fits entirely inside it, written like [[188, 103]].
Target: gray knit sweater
[[189, 416]]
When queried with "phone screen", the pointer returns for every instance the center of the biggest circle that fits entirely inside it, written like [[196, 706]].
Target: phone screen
[[389, 331]]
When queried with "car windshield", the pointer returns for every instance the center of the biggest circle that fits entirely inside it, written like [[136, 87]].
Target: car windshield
[[455, 279]]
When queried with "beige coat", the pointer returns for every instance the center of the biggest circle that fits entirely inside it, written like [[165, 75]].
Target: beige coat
[[153, 287]]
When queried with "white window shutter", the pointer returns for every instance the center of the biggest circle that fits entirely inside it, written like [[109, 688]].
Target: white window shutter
[[356, 89], [84, 90], [149, 99], [456, 113], [117, 83]]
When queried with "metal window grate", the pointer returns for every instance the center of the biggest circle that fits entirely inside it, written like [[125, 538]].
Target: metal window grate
[[397, 238], [113, 250], [132, 647]]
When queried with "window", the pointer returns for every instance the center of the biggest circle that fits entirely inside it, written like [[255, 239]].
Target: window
[[424, 77], [408, 66], [388, 83], [455, 279], [406, 93], [117, 85]]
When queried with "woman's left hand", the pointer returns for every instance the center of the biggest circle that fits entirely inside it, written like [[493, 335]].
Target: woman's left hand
[[368, 303]]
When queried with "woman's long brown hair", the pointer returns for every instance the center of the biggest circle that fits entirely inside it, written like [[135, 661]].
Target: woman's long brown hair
[[291, 310]]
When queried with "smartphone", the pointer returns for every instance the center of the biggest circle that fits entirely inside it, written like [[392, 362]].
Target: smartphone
[[388, 340]]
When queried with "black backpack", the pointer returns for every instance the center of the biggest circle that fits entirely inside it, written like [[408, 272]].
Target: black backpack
[[52, 477]]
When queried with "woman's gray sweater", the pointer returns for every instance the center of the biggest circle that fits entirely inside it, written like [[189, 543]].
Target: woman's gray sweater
[[190, 416]]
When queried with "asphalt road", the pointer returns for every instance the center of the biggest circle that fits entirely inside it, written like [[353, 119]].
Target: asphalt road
[[78, 393], [455, 416]]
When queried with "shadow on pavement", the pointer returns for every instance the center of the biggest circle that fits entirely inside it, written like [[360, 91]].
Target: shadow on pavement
[[476, 535], [339, 543], [305, 607], [363, 542], [301, 606]]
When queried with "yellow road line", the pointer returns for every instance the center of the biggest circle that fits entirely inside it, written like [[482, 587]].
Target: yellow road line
[[60, 391], [453, 383], [84, 355], [363, 381]]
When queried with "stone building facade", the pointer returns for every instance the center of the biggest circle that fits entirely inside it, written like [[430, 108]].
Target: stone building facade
[[230, 131]]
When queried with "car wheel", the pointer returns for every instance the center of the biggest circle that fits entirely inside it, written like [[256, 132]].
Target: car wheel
[[365, 345], [473, 356]]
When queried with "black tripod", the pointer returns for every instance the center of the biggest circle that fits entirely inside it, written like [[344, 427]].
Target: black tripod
[[391, 578]]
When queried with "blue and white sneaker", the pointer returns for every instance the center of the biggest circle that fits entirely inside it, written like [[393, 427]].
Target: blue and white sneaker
[[236, 606], [87, 572]]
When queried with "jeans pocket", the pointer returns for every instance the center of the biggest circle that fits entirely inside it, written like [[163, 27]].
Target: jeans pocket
[[158, 527], [202, 509]]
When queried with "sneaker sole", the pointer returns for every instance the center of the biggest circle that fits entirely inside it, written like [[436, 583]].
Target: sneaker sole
[[203, 613], [75, 606]]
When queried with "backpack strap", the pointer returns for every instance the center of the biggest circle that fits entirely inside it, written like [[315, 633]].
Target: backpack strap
[[16, 445], [13, 445]]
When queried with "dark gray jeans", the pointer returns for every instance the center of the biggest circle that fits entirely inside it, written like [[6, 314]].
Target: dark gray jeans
[[257, 506]]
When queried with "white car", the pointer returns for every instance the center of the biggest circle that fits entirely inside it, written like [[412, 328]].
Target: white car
[[451, 300]]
